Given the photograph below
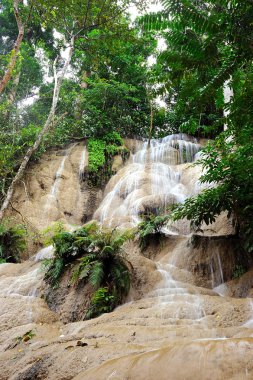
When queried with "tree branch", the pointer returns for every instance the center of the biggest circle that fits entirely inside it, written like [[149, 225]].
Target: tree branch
[[45, 129], [16, 49]]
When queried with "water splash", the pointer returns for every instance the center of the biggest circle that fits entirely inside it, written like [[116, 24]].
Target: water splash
[[44, 253]]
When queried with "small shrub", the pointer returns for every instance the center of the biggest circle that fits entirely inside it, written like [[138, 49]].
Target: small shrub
[[151, 229], [102, 264], [96, 150], [101, 302], [101, 152], [238, 271], [48, 233], [68, 247], [12, 242]]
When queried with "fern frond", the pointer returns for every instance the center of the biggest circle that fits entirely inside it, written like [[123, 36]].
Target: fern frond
[[155, 22], [96, 274], [219, 79], [185, 9]]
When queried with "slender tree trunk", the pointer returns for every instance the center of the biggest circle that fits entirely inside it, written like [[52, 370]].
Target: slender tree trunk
[[16, 49], [12, 95], [45, 129]]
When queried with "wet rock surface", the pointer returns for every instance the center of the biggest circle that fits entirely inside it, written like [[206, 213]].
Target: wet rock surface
[[185, 317], [170, 327]]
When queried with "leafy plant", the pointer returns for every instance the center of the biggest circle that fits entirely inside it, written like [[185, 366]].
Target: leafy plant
[[151, 229], [12, 242], [238, 271], [101, 151], [68, 247], [96, 150], [101, 263], [101, 302], [48, 233]]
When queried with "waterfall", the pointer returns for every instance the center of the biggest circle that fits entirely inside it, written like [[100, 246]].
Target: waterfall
[[83, 162], [175, 295], [52, 198], [149, 182], [22, 287], [58, 176]]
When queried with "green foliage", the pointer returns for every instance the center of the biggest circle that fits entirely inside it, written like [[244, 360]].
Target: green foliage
[[198, 59], [208, 44], [96, 149], [12, 242], [48, 233], [228, 167], [101, 302], [101, 263], [101, 152], [205, 207], [238, 271], [68, 247], [151, 229]]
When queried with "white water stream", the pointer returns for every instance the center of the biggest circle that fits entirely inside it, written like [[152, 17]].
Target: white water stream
[[173, 293], [52, 199], [150, 181], [83, 162]]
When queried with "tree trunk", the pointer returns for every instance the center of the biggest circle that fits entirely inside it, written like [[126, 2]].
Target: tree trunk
[[12, 96], [16, 49], [45, 129]]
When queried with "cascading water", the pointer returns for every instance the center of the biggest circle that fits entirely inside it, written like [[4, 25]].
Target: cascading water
[[174, 331], [171, 293], [52, 199], [83, 162], [149, 181], [23, 288]]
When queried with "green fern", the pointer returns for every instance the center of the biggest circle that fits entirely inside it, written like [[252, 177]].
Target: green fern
[[97, 274], [98, 258], [102, 301], [12, 241], [151, 229]]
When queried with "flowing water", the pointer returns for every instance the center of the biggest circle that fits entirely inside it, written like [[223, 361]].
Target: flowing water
[[149, 182], [53, 194], [22, 287], [83, 162]]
